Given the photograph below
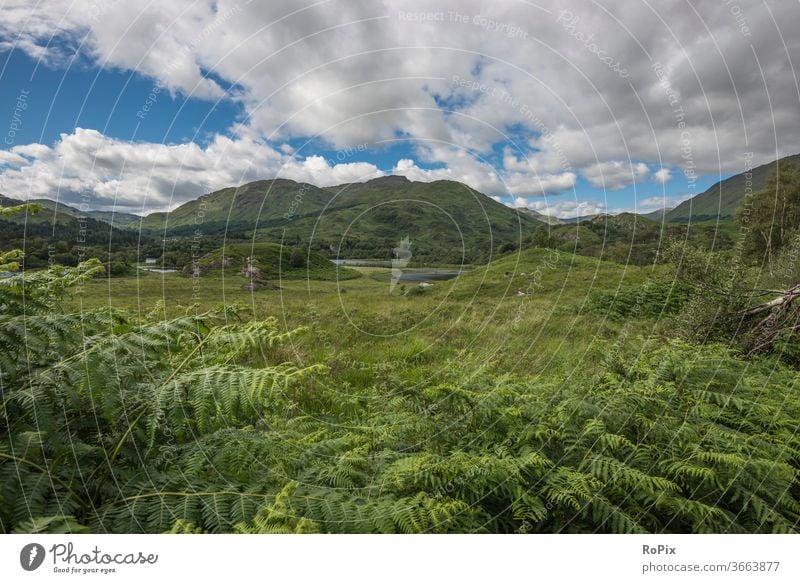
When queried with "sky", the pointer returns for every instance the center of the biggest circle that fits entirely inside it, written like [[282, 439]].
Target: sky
[[569, 108]]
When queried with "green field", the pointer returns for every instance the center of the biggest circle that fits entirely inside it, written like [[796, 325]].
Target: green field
[[545, 392], [475, 318], [549, 391]]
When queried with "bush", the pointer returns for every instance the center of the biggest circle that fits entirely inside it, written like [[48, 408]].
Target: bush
[[114, 423], [653, 299], [297, 258]]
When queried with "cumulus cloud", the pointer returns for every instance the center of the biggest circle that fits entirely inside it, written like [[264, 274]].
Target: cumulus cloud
[[410, 170], [86, 167], [563, 209], [532, 184], [615, 175], [654, 203], [662, 176], [696, 88]]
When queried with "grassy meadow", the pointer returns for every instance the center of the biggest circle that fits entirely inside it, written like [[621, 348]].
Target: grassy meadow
[[365, 328], [543, 392]]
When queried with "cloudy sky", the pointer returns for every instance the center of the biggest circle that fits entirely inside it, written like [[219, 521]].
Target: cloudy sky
[[565, 107]]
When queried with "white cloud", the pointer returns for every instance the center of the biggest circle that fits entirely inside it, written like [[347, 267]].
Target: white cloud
[[354, 72], [654, 203], [615, 175], [88, 167], [662, 176], [532, 184], [410, 170], [564, 209]]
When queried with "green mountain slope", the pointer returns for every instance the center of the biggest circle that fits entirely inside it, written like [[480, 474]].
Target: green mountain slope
[[265, 203], [724, 198], [54, 212], [62, 234], [547, 219], [116, 218], [631, 238], [444, 221]]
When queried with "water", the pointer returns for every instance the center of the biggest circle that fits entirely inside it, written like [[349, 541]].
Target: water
[[415, 275], [158, 269], [362, 262], [429, 274]]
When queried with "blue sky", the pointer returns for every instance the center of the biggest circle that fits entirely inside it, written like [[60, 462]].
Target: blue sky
[[341, 92], [105, 99]]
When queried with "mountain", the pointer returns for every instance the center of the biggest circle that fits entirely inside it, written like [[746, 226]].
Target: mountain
[[656, 215], [724, 198], [261, 204], [116, 218], [583, 219], [443, 221], [51, 212], [62, 234], [547, 219], [54, 211], [632, 238]]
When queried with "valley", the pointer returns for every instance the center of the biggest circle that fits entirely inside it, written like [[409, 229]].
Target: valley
[[356, 373]]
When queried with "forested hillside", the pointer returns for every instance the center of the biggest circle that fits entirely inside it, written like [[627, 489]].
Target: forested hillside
[[448, 221]]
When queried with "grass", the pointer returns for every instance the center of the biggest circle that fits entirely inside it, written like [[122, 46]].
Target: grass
[[369, 335], [273, 261]]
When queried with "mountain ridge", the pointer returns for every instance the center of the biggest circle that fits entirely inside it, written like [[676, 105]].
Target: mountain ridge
[[448, 220], [722, 200]]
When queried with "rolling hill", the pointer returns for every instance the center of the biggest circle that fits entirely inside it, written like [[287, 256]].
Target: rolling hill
[[62, 234], [54, 212], [547, 219], [724, 198], [444, 221], [116, 218], [631, 238], [261, 204]]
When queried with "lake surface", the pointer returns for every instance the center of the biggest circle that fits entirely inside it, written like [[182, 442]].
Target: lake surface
[[429, 274], [407, 274], [157, 269], [363, 262]]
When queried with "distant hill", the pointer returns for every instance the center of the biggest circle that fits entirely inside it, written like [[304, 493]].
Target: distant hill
[[61, 234], [632, 238], [547, 219], [584, 218], [261, 204], [115, 218], [444, 221], [55, 215], [724, 198], [53, 211], [656, 215]]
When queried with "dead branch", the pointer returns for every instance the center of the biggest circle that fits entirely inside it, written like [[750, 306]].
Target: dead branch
[[774, 323]]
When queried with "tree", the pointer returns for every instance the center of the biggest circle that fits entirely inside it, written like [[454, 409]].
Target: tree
[[541, 237], [297, 258], [772, 215]]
